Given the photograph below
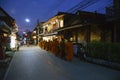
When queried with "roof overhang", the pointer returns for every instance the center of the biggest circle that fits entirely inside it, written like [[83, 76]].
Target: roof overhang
[[71, 27], [4, 27], [49, 34]]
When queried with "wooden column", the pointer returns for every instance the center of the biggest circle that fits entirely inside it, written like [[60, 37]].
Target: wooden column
[[88, 34], [76, 36]]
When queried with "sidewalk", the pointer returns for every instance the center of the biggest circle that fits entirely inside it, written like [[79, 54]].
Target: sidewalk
[[5, 63], [104, 63]]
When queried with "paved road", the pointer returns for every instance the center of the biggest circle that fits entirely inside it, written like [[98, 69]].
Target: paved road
[[33, 63]]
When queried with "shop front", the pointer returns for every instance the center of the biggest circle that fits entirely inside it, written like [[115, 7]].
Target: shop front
[[4, 38]]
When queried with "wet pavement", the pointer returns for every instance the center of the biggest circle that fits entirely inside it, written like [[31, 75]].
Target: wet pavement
[[33, 63]]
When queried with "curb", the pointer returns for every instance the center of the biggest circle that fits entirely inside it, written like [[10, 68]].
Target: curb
[[104, 63]]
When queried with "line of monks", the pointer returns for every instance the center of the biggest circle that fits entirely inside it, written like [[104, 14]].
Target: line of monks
[[61, 48]]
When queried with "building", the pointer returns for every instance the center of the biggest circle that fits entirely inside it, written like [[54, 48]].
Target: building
[[8, 28], [37, 33], [51, 25], [113, 17], [82, 27]]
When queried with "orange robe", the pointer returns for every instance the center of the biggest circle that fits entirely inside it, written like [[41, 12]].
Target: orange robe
[[69, 51]]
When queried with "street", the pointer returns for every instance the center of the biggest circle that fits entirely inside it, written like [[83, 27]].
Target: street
[[33, 63]]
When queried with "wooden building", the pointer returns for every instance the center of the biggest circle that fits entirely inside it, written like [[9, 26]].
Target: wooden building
[[113, 18], [81, 27], [7, 26], [85, 27]]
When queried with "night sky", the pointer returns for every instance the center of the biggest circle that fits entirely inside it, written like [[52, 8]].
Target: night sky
[[43, 10]]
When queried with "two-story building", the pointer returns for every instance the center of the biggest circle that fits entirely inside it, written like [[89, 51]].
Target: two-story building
[[8, 29], [81, 27]]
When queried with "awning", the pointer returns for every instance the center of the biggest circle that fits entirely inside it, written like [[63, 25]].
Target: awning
[[55, 32], [4, 27], [49, 34], [71, 27]]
